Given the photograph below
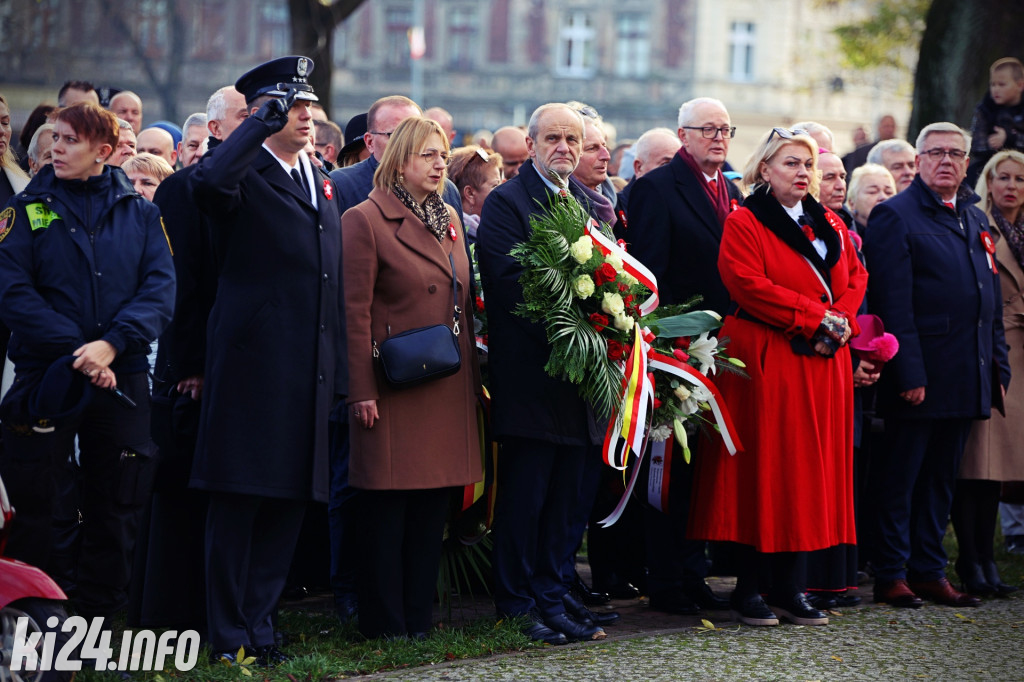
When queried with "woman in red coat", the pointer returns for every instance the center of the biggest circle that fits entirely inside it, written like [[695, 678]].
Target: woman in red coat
[[795, 282]]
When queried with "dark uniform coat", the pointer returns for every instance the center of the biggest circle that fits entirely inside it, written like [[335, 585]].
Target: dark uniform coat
[[273, 336], [397, 277], [933, 288], [527, 402], [674, 231]]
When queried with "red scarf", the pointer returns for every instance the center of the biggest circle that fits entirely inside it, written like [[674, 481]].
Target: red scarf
[[720, 199]]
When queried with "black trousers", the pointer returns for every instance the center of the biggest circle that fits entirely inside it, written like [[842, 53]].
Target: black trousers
[[400, 538], [117, 463], [250, 541]]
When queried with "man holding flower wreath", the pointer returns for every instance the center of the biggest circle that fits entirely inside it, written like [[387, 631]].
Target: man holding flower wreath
[[545, 428]]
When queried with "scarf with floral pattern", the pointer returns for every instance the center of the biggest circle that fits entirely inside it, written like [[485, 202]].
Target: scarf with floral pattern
[[432, 212]]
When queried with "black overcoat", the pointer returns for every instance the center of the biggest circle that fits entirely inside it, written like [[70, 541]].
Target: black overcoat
[[526, 402], [273, 338], [673, 230]]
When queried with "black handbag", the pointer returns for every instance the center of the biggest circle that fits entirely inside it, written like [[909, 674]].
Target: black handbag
[[423, 354]]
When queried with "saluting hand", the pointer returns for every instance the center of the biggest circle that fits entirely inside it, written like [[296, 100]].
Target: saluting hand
[[274, 112]]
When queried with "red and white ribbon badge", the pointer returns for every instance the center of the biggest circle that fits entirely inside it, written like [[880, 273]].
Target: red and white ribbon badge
[[328, 190], [990, 251]]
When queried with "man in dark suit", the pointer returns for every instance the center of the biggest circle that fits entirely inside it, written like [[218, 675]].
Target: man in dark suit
[[654, 149], [272, 353], [545, 428], [932, 283], [676, 214]]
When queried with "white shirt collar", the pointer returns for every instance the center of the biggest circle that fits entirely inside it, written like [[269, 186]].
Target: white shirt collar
[[303, 165]]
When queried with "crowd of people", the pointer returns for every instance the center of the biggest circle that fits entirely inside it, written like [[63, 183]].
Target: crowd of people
[[299, 281]]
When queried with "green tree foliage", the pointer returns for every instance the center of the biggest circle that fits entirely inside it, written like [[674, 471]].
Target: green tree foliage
[[885, 37]]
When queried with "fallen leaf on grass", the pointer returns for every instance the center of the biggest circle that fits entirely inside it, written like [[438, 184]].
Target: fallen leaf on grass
[[837, 658]]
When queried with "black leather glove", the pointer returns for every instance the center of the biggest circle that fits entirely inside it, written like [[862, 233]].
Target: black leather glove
[[274, 112]]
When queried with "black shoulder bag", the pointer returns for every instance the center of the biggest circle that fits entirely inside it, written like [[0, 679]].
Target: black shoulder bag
[[423, 354]]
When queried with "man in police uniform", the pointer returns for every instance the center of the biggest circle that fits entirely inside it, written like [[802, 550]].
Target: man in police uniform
[[274, 338]]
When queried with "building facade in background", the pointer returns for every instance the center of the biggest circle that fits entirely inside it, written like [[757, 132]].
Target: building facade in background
[[489, 62]]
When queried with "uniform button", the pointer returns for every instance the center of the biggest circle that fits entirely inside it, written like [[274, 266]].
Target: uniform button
[[320, 379], [320, 228], [432, 288], [982, 361], [325, 276], [99, 325], [981, 285], [323, 328], [980, 324], [99, 274], [72, 229]]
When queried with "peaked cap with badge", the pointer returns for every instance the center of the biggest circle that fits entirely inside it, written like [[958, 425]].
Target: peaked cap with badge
[[275, 77]]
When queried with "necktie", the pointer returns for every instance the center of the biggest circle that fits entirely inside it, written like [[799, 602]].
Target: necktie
[[949, 205], [713, 183], [297, 177]]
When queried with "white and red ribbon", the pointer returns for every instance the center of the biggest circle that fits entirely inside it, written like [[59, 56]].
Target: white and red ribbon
[[990, 251], [629, 264]]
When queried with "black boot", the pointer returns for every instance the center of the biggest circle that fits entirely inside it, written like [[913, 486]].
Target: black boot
[[973, 579], [991, 573]]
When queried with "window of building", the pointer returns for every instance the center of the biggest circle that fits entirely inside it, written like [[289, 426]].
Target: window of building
[[741, 51], [463, 28], [575, 53], [151, 24], [397, 24], [632, 45], [208, 31], [274, 30]]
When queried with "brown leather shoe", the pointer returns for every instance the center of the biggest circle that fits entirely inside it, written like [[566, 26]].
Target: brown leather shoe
[[941, 592], [897, 593]]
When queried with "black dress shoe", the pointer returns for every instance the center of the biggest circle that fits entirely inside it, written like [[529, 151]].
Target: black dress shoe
[[992, 578], [585, 594], [675, 602], [752, 611], [701, 594], [973, 580], [269, 656], [573, 631], [581, 614], [539, 632], [846, 600], [821, 600], [797, 610]]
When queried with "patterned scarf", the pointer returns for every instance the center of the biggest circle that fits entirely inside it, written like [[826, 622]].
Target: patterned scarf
[[433, 212], [1014, 233], [720, 197]]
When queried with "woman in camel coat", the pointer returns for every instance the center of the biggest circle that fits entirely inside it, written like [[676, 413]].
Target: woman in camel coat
[[411, 447]]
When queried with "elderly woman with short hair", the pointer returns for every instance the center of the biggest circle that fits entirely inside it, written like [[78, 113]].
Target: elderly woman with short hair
[[796, 283]]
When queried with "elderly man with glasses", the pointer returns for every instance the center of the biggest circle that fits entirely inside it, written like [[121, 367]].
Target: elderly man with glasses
[[934, 283], [675, 218]]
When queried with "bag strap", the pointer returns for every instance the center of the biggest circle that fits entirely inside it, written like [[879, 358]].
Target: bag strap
[[455, 298]]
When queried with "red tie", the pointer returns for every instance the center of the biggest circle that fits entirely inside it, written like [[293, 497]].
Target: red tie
[[713, 184], [950, 206]]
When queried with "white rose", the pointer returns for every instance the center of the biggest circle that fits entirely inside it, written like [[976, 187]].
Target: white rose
[[583, 286], [614, 261], [628, 279], [582, 249], [682, 393], [623, 322], [612, 304]]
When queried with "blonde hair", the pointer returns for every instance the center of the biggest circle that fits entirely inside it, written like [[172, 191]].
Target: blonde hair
[[768, 147], [989, 172], [1011, 64], [150, 164], [858, 178], [408, 139]]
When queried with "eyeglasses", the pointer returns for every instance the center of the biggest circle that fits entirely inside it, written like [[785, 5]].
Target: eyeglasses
[[588, 111], [937, 154], [787, 134], [387, 135], [711, 132], [432, 155]]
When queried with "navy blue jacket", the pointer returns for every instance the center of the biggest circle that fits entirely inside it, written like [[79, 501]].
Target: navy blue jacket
[[527, 403], [83, 261], [673, 230], [933, 288], [274, 337]]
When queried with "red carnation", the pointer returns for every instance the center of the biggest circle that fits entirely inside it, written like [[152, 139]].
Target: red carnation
[[680, 355], [604, 274], [622, 244], [657, 403], [599, 321], [479, 303], [616, 350]]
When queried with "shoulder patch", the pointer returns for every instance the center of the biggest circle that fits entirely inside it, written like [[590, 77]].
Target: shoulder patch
[[6, 222], [40, 216]]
